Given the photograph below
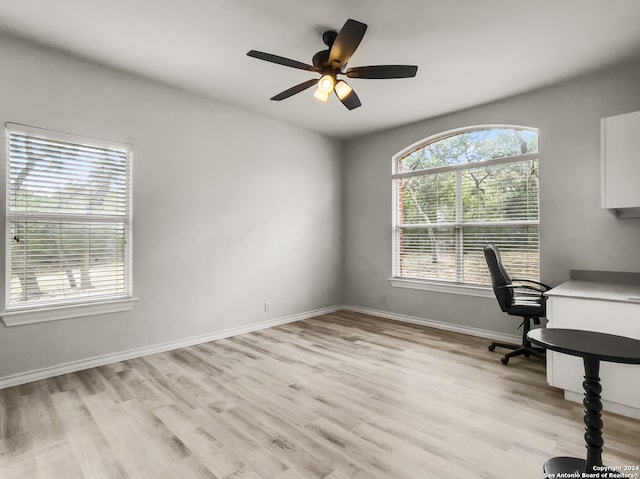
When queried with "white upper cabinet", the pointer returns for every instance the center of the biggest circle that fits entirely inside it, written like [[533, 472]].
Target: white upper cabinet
[[621, 164]]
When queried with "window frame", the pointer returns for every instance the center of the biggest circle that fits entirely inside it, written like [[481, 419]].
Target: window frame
[[14, 315], [468, 289]]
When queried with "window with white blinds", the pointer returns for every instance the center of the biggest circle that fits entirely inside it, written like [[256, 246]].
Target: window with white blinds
[[68, 220], [456, 192]]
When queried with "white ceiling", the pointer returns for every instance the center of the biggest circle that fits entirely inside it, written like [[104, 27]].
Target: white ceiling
[[468, 52]]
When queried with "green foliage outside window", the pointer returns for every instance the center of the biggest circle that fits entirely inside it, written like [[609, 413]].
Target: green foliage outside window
[[461, 192]]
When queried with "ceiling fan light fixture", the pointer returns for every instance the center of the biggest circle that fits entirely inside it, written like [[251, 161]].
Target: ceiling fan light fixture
[[326, 84], [343, 90], [320, 95]]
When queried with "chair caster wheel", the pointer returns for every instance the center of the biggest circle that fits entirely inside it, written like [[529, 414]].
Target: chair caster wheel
[[504, 360], [492, 347]]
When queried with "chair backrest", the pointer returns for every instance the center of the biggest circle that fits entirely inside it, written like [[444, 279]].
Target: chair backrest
[[499, 277]]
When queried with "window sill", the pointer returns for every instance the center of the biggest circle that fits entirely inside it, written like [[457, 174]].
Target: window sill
[[467, 290], [55, 313]]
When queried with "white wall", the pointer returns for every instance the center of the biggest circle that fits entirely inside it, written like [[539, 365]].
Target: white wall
[[230, 209], [575, 232]]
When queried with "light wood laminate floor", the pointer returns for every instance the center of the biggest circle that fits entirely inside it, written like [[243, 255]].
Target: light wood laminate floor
[[339, 396]]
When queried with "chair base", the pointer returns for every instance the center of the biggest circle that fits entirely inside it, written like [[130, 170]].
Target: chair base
[[517, 350]]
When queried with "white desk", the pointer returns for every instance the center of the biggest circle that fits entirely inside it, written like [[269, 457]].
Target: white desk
[[605, 308]]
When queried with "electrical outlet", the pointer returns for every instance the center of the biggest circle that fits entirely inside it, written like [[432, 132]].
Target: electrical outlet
[[383, 299], [267, 307]]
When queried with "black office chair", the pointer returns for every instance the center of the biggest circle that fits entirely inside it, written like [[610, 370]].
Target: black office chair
[[516, 299]]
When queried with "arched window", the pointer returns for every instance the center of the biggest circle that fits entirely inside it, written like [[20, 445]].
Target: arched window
[[459, 190]]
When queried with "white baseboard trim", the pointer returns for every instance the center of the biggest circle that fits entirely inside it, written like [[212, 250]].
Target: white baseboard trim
[[482, 333], [49, 372]]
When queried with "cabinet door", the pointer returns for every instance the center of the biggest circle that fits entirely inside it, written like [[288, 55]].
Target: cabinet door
[[621, 161], [619, 381]]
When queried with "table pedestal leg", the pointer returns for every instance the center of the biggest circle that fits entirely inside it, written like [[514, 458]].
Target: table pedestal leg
[[592, 413], [593, 426]]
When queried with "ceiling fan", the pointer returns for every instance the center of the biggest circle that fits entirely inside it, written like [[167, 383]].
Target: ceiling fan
[[332, 62]]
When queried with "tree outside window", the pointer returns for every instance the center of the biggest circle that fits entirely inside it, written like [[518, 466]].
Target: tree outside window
[[68, 218], [457, 192]]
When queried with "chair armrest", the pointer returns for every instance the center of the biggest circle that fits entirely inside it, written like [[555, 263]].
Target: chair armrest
[[524, 287], [546, 286]]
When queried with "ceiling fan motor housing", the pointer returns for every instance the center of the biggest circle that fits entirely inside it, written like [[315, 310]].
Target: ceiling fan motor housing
[[321, 60]]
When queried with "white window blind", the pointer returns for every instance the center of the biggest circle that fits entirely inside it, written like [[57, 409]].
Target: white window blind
[[68, 219], [456, 193]]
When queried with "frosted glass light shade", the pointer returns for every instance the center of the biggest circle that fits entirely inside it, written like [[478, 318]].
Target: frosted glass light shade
[[343, 90], [326, 84], [322, 96]]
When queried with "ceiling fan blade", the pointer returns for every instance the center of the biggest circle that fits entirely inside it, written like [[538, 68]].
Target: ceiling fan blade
[[346, 43], [295, 89], [268, 57], [383, 71], [351, 101]]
